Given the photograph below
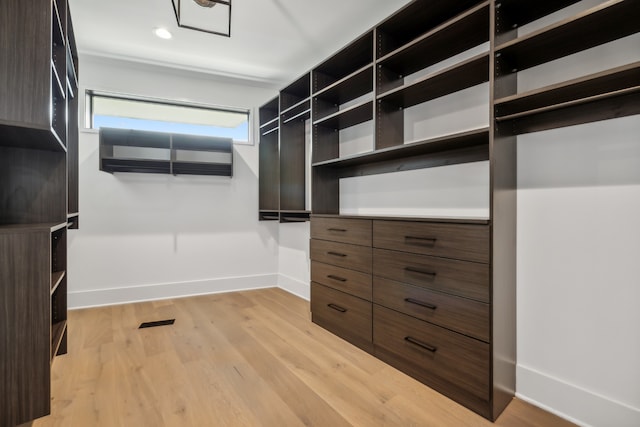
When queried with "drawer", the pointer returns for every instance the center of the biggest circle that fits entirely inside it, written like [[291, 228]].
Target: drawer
[[439, 357], [342, 314], [459, 314], [345, 230], [342, 279], [341, 254], [458, 241], [461, 278]]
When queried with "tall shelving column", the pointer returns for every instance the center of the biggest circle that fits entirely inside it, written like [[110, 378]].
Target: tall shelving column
[[38, 193]]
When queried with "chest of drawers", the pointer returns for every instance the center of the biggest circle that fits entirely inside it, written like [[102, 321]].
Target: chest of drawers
[[414, 293]]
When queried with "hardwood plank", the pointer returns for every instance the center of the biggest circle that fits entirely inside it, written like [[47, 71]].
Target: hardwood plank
[[239, 359]]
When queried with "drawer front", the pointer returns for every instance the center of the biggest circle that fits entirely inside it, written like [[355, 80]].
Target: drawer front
[[461, 278], [342, 279], [342, 255], [459, 314], [440, 356], [458, 241], [342, 314], [353, 231]]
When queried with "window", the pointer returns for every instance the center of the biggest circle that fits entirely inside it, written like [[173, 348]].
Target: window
[[125, 112]]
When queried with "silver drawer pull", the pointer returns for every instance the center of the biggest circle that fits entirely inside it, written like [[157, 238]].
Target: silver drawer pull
[[337, 308], [338, 278], [340, 230], [430, 241], [421, 303], [421, 344], [419, 271], [337, 254]]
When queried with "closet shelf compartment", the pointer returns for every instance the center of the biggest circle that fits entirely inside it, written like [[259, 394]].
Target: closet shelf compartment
[[416, 19], [295, 93], [269, 123], [463, 32], [583, 88], [344, 63], [300, 111], [350, 116], [356, 84], [294, 215], [269, 215], [113, 164], [461, 76], [607, 22], [516, 13], [269, 111], [470, 146]]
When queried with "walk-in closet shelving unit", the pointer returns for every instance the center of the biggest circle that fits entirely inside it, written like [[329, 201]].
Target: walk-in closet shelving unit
[[284, 153], [38, 198], [427, 50]]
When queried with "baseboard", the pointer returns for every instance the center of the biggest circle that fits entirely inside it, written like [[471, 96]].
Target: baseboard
[[129, 294], [580, 406], [294, 286]]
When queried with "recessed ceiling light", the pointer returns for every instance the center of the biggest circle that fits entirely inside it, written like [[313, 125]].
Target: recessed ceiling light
[[163, 33]]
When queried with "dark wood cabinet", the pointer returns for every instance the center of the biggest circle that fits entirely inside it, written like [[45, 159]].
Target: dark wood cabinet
[[38, 198]]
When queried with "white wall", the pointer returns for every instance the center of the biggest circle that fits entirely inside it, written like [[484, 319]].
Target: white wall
[[147, 236]]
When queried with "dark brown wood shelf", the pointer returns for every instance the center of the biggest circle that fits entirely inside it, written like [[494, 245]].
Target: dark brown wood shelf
[[294, 216], [58, 330], [202, 168], [296, 108], [265, 215], [604, 23], [350, 116], [36, 227], [437, 220], [56, 278], [356, 84], [458, 148], [118, 164], [134, 138], [584, 88], [30, 135], [416, 19], [461, 76], [461, 33], [270, 123], [516, 13], [301, 111], [344, 63]]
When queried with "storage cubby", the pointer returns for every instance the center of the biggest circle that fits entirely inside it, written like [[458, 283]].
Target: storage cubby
[[296, 93], [597, 96], [126, 150], [293, 152], [59, 290]]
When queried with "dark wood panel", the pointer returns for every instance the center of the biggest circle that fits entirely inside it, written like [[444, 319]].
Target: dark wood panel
[[33, 186], [73, 157], [348, 117], [325, 193], [459, 241], [269, 173], [462, 315], [25, 69], [516, 13], [269, 111], [295, 92], [349, 88], [461, 278], [441, 356], [342, 314], [292, 165], [342, 255], [342, 279], [353, 231], [25, 286]]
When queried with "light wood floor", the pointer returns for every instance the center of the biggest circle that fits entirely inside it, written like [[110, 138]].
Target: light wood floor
[[238, 359]]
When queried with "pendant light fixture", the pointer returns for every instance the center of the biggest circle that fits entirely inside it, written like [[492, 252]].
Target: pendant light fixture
[[209, 16]]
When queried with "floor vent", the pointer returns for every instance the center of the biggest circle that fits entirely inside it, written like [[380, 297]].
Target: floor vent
[[157, 323]]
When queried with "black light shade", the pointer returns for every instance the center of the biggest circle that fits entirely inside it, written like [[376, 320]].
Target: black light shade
[[209, 16]]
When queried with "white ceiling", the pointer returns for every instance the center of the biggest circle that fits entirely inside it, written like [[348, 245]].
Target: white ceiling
[[271, 40]]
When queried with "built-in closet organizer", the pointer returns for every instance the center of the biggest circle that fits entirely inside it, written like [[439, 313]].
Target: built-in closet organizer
[[375, 280]]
